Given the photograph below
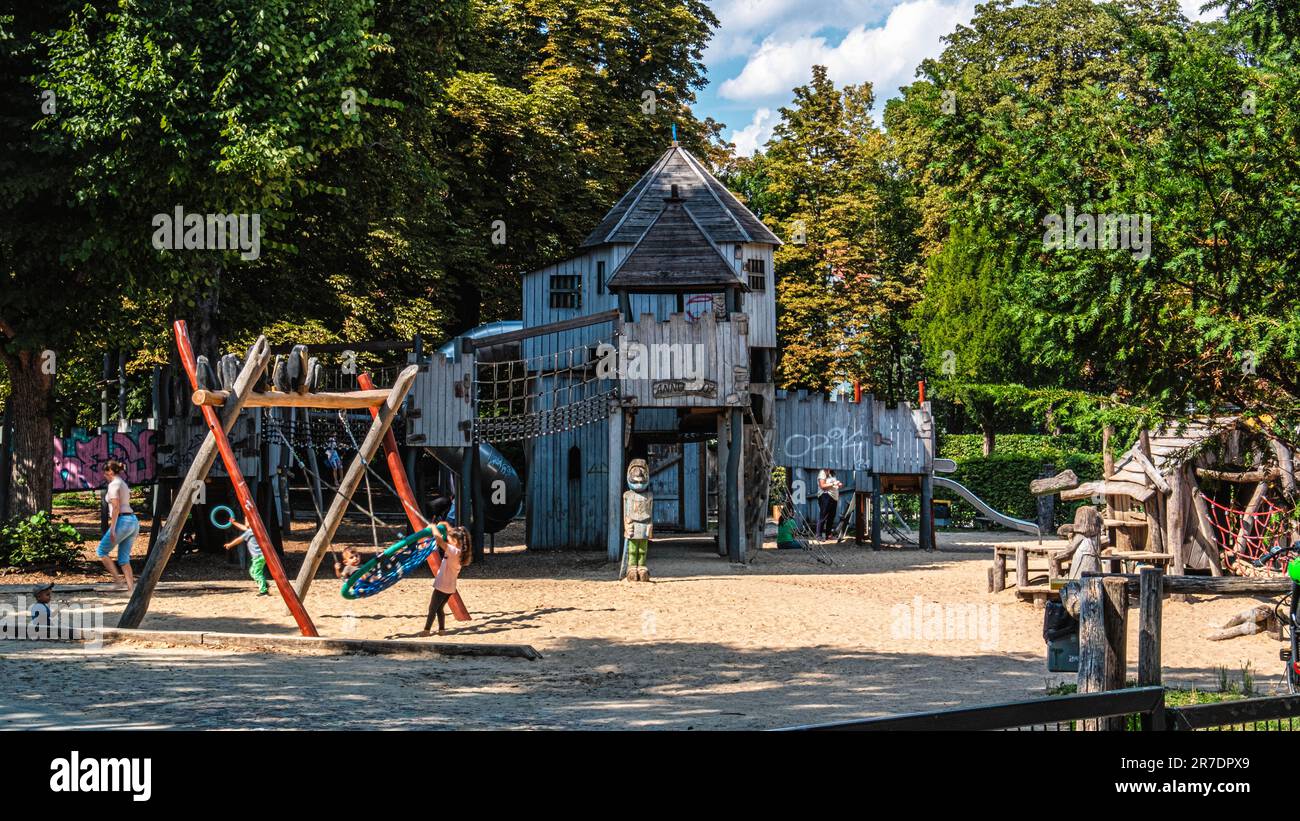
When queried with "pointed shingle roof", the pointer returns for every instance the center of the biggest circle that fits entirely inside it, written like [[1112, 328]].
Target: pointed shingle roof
[[675, 255], [720, 216]]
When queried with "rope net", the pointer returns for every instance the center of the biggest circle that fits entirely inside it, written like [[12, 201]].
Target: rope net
[[1244, 536], [539, 395], [321, 430]]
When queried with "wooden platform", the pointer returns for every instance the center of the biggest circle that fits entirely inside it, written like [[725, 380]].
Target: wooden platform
[[1039, 594], [1127, 561]]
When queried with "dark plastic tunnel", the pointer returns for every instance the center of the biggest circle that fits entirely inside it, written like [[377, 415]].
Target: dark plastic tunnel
[[495, 468]]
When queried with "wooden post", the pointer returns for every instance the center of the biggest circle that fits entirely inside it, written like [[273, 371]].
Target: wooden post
[[859, 516], [999, 579], [876, 498], [1150, 594], [724, 445], [927, 513], [1204, 529], [614, 502], [1022, 567], [1156, 511], [1103, 622], [735, 505], [1047, 503], [369, 446], [190, 489], [480, 501]]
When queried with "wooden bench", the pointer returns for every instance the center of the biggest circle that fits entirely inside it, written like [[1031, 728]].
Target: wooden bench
[[1022, 553], [1038, 593]]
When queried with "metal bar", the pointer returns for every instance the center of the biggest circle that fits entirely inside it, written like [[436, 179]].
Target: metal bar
[[1013, 714]]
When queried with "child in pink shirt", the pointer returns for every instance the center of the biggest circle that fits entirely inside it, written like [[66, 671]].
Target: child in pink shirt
[[456, 552]]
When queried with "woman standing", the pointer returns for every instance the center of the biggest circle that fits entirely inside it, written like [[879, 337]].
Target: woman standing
[[123, 526], [828, 500]]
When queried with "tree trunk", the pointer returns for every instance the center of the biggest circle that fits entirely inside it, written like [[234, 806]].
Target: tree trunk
[[31, 402], [204, 333], [990, 436]]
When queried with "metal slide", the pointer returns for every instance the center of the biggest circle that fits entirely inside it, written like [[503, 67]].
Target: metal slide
[[984, 510]]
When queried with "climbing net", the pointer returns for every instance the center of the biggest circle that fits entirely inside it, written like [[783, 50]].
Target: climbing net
[[542, 394], [1245, 535]]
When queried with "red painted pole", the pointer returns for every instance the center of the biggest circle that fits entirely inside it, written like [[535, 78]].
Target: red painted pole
[[920, 387], [241, 488], [409, 504]]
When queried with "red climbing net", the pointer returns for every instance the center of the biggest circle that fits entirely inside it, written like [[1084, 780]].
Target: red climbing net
[[1245, 536]]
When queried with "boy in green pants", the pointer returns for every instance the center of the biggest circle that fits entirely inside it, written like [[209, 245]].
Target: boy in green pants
[[256, 562]]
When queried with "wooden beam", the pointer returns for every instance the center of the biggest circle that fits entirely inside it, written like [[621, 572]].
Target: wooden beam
[[548, 328], [1242, 477], [191, 488], [1065, 480], [1144, 461], [1108, 488], [356, 470], [351, 400]]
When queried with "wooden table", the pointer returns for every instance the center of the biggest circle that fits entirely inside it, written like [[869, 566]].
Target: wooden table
[[1117, 561], [1023, 553]]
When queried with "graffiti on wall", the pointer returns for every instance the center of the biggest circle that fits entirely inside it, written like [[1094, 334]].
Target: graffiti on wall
[[79, 459]]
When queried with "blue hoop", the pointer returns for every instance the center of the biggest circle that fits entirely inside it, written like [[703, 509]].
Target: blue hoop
[[386, 570], [230, 514]]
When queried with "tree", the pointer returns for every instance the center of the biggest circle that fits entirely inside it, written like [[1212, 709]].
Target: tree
[[848, 274], [117, 112]]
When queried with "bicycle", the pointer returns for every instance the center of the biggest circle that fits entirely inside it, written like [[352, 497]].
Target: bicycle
[[1289, 656]]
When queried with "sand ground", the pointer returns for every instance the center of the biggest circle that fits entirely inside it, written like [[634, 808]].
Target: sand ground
[[705, 645]]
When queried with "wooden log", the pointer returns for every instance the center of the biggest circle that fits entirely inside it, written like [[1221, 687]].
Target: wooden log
[[1230, 586], [351, 400], [1175, 524], [999, 572], [1103, 620], [1022, 567], [191, 487], [1107, 455], [1285, 465], [1203, 527], [1150, 598], [1247, 519], [1065, 480], [1240, 477], [352, 478], [1108, 488], [1144, 461]]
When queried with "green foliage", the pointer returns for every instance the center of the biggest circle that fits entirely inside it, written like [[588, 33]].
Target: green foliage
[[38, 539], [848, 274]]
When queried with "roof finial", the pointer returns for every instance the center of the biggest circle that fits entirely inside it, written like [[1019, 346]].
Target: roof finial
[[674, 133]]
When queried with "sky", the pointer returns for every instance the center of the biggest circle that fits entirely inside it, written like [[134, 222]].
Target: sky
[[764, 48]]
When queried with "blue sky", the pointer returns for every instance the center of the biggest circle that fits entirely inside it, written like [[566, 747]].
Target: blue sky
[[764, 48]]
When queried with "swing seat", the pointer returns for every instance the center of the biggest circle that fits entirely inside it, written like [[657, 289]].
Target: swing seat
[[390, 567]]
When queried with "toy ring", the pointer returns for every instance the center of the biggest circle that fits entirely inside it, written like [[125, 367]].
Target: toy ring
[[230, 517]]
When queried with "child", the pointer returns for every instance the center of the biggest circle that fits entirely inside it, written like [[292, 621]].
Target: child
[[256, 562], [351, 563], [41, 615], [333, 460], [785, 534], [456, 553]]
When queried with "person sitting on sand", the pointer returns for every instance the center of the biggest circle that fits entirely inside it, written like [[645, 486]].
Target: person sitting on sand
[[351, 563], [41, 616], [256, 561], [785, 534], [456, 552]]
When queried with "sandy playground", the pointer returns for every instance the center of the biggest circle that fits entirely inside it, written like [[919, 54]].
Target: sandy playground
[[705, 645]]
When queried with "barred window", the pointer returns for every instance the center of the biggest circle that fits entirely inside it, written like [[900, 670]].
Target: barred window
[[757, 270], [600, 277], [566, 291]]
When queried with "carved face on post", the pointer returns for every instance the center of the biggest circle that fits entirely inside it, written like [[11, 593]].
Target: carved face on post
[[638, 475]]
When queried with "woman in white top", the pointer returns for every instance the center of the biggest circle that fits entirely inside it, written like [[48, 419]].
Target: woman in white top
[[828, 500], [123, 526]]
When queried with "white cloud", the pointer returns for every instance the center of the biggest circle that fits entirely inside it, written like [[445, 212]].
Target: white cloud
[[1192, 10], [755, 135], [886, 55]]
